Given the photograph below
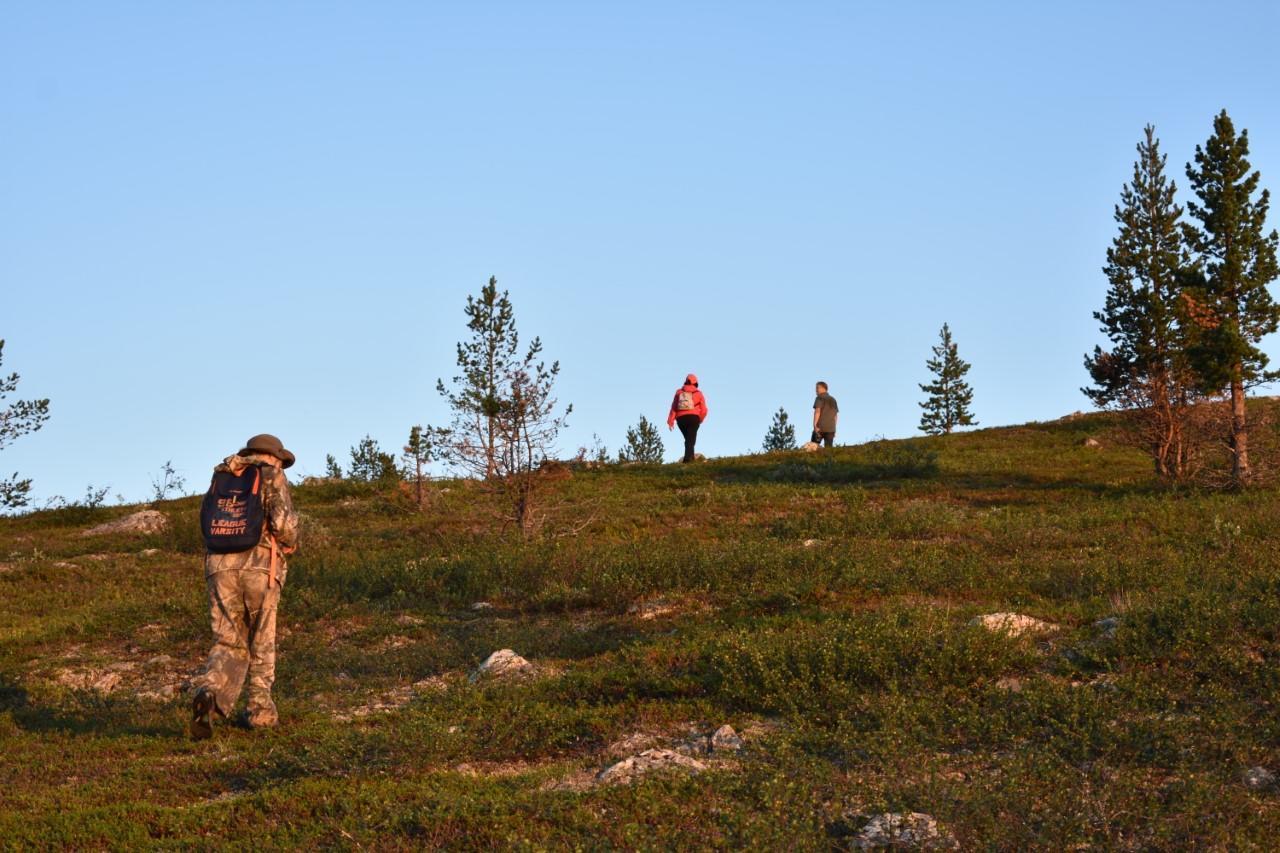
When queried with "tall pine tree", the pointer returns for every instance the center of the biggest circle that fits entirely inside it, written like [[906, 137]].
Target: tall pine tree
[[947, 406], [781, 434], [1146, 370], [484, 363], [1227, 304]]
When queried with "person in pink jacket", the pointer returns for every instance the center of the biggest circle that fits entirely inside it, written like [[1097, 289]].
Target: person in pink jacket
[[688, 410]]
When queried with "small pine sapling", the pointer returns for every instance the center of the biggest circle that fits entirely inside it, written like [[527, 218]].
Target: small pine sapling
[[781, 434]]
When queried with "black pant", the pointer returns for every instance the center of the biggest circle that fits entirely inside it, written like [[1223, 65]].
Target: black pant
[[828, 438], [689, 429]]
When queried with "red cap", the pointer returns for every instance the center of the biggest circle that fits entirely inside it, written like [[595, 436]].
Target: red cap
[[691, 379]]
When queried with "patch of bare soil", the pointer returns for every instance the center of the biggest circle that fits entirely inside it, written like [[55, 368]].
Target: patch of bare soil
[[394, 699], [129, 671]]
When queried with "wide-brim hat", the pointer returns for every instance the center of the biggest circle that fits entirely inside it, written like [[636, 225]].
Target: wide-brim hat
[[267, 443]]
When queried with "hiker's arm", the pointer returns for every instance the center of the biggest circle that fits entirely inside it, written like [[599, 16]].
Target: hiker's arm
[[817, 413], [281, 515]]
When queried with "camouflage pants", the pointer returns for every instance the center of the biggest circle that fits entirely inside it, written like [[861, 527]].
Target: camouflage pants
[[242, 606]]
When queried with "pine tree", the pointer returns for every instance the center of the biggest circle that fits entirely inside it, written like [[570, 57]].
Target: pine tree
[[417, 453], [1146, 371], [332, 469], [643, 445], [1228, 306], [16, 420], [949, 395], [505, 415], [781, 434], [369, 464], [483, 361]]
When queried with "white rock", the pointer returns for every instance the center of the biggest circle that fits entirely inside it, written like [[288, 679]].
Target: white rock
[[143, 521], [651, 760], [810, 447], [501, 663], [725, 739], [810, 543], [1013, 624], [910, 830], [481, 606], [1091, 443], [1258, 778]]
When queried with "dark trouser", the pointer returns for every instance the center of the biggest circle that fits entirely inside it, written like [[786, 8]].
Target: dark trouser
[[689, 429], [828, 438]]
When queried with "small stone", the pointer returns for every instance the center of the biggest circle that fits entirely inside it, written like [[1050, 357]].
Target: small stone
[[1107, 627], [481, 606], [1013, 624], [1013, 685], [143, 521], [1091, 443], [501, 663], [158, 659], [651, 760], [651, 609], [809, 543], [725, 739], [149, 552], [911, 830], [810, 447], [1259, 778]]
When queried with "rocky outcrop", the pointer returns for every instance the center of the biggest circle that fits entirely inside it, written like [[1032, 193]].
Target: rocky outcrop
[[1013, 624], [143, 521], [903, 830], [651, 760], [502, 664]]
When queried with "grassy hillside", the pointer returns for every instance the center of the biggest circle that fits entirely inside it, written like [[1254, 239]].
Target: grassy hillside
[[821, 608]]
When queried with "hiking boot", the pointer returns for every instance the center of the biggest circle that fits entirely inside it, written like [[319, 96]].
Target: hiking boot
[[201, 714], [263, 717]]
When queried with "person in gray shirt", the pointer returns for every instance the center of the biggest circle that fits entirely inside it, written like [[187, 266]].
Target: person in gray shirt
[[825, 414]]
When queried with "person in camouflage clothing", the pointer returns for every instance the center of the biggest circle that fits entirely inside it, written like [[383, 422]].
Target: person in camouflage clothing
[[244, 589]]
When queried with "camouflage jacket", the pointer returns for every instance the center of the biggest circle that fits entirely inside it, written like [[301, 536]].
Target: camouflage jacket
[[281, 521]]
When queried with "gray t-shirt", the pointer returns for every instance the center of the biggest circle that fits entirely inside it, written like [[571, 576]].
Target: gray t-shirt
[[827, 408]]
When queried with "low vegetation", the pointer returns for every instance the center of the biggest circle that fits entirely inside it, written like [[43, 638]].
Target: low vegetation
[[822, 606]]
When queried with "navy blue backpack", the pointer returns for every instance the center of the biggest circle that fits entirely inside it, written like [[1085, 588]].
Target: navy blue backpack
[[231, 515]]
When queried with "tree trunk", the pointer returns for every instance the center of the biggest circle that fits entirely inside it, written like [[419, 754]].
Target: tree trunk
[[489, 453], [1239, 430]]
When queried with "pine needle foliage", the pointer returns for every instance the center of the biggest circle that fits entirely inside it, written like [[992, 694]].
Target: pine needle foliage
[[1146, 371], [1227, 302], [781, 435], [950, 396], [506, 418], [643, 444], [16, 420]]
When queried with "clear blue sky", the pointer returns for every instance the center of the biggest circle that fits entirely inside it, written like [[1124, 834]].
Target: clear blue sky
[[224, 218]]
